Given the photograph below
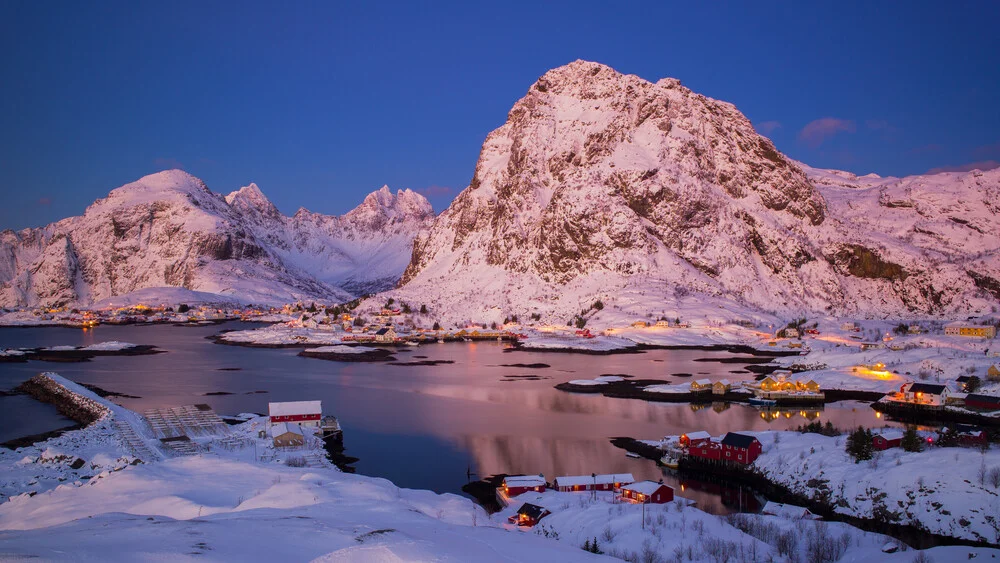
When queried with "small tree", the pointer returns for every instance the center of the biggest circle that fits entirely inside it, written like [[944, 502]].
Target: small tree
[[423, 309], [312, 308], [358, 321], [437, 326], [859, 445], [406, 309], [973, 384], [911, 440], [389, 302], [598, 305], [183, 308], [580, 322]]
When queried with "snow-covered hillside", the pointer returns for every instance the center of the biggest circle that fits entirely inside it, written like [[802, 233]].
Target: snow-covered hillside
[[601, 185], [169, 230]]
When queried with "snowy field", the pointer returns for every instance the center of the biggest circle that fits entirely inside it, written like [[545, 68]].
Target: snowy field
[[938, 489], [678, 531], [284, 335]]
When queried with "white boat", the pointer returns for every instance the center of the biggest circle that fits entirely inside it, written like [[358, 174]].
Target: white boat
[[412, 343], [632, 454], [669, 461], [440, 340]]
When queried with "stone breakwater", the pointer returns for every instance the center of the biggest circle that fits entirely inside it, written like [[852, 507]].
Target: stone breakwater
[[83, 410]]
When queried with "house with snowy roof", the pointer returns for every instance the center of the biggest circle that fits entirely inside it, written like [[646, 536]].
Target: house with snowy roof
[[701, 385], [647, 492], [528, 515], [606, 482], [885, 438], [929, 394], [514, 485], [694, 438], [287, 434], [305, 413], [788, 511], [721, 387], [385, 334], [740, 448]]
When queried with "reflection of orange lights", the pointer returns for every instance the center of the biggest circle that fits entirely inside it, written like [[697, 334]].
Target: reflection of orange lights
[[878, 414]]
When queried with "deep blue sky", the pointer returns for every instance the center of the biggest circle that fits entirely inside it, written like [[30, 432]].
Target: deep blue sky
[[323, 102]]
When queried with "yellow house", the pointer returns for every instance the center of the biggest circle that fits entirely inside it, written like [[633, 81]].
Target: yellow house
[[809, 385], [640, 324], [721, 386], [769, 384], [701, 385], [962, 329], [993, 374]]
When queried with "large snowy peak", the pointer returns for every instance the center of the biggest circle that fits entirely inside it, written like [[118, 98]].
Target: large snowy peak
[[169, 230], [602, 184]]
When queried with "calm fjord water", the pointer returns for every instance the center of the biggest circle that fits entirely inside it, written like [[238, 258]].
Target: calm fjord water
[[421, 427]]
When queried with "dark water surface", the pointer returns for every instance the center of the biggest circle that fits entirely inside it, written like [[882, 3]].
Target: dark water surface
[[421, 427]]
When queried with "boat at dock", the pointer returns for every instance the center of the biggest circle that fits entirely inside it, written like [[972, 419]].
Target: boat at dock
[[632, 454], [758, 402], [670, 462]]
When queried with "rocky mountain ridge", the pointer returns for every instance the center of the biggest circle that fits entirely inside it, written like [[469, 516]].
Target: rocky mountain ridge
[[169, 229], [604, 186]]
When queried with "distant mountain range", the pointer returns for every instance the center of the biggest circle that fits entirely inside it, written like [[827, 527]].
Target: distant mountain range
[[601, 191], [169, 230]]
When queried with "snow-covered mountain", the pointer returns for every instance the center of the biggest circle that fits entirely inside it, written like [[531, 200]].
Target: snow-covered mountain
[[169, 230], [646, 195]]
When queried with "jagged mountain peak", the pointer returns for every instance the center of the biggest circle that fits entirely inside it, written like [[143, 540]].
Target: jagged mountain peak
[[251, 201], [382, 203]]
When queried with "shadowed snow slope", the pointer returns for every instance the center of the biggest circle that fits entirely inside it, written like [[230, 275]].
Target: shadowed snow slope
[[228, 510], [601, 183], [168, 230]]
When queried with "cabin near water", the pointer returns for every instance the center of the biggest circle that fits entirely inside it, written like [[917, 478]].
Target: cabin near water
[[287, 434], [514, 485], [647, 492], [928, 394], [607, 482], [303, 413]]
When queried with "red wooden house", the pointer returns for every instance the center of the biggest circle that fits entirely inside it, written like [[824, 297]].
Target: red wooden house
[[969, 435], [648, 492], [528, 515], [514, 485], [609, 482], [303, 413], [706, 450], [887, 438], [740, 448], [694, 439], [984, 402]]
